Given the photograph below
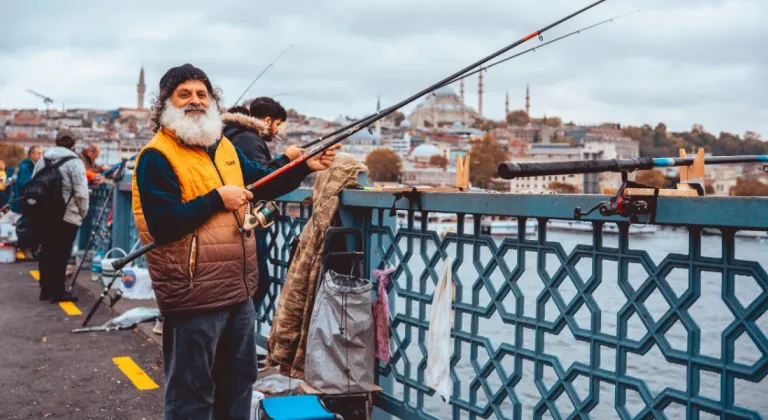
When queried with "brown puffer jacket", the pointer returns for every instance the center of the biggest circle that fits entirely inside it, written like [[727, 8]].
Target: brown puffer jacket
[[214, 266]]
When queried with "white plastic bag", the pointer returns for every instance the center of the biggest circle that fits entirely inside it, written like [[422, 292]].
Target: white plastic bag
[[276, 384], [135, 282], [438, 374]]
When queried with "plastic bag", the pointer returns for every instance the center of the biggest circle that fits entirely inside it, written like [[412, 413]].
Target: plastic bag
[[276, 384], [135, 282], [438, 374]]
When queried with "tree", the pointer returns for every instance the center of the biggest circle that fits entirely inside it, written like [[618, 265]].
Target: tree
[[651, 177], [439, 160], [384, 165], [11, 154], [562, 188], [518, 118], [486, 155], [749, 188]]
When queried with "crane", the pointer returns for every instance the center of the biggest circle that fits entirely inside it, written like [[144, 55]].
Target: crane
[[46, 99]]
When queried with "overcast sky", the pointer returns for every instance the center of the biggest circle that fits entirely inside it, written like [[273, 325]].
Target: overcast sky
[[678, 61]]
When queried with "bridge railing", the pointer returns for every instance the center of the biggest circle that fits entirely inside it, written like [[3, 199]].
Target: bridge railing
[[555, 318]]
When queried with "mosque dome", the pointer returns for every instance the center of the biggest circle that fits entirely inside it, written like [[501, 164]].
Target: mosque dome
[[425, 151]]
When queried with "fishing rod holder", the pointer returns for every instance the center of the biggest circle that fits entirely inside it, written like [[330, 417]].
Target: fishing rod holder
[[624, 204]]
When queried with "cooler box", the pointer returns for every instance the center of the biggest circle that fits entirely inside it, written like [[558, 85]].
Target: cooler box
[[294, 407]]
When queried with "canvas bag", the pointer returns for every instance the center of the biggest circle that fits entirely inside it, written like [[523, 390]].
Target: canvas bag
[[340, 355]]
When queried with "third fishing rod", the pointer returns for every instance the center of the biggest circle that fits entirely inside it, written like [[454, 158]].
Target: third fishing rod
[[322, 146], [578, 31]]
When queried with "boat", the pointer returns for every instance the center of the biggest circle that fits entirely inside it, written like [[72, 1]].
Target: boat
[[447, 223], [587, 227]]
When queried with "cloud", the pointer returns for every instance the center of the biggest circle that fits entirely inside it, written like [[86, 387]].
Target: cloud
[[681, 62]]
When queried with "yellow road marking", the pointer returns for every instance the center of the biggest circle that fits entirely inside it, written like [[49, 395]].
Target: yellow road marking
[[140, 379], [70, 308], [35, 274]]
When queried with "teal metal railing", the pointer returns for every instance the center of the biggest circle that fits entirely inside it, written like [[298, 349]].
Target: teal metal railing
[[557, 318]]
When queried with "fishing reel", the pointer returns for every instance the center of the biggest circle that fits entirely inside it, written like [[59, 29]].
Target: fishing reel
[[261, 215], [625, 205]]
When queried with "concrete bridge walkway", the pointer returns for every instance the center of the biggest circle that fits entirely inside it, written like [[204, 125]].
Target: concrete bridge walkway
[[47, 372]]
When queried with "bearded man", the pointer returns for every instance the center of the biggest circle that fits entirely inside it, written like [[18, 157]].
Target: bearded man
[[189, 197]]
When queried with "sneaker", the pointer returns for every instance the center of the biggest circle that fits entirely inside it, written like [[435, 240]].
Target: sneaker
[[158, 328]]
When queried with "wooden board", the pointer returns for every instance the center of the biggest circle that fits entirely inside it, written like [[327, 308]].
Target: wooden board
[[648, 192], [401, 189], [307, 389]]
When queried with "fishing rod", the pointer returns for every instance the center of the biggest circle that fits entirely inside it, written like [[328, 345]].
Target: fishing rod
[[251, 221], [114, 168], [320, 146], [578, 31], [262, 72], [511, 170], [319, 139], [631, 199]]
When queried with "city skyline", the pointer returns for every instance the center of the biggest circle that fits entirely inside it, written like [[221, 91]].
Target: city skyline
[[693, 68]]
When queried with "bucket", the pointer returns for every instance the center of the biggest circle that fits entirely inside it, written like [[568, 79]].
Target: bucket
[[7, 253], [107, 271]]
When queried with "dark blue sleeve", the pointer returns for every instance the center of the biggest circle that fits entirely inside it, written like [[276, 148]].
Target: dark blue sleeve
[[168, 219], [281, 185]]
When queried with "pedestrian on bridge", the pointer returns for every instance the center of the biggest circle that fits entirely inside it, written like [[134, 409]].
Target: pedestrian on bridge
[[189, 198]]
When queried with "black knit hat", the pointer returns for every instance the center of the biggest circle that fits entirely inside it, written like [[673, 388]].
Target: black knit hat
[[178, 75]]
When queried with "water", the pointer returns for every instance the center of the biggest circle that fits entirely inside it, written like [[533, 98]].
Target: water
[[709, 312]]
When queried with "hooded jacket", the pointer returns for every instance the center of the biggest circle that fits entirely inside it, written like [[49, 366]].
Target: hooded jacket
[[251, 136], [73, 183]]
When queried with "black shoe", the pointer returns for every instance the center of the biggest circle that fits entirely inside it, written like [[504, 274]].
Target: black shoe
[[45, 295], [64, 297]]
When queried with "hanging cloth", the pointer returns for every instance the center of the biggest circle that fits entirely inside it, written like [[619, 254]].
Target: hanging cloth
[[381, 313], [438, 374]]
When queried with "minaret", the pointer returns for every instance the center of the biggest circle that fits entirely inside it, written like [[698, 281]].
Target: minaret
[[528, 100], [141, 88], [378, 122], [461, 90], [480, 95], [506, 106]]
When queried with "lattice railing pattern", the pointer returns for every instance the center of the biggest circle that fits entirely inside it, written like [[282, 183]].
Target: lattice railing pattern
[[599, 331]]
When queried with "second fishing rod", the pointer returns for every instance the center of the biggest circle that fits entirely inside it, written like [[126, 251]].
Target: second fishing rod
[[354, 128], [464, 76]]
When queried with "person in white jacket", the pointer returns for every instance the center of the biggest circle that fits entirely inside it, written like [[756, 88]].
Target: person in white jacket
[[59, 236]]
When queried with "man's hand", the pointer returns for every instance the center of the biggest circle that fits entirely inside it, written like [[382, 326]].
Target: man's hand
[[323, 160], [293, 152], [234, 197]]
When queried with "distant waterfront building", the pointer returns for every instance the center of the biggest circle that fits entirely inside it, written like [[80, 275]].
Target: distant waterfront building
[[443, 108], [553, 152]]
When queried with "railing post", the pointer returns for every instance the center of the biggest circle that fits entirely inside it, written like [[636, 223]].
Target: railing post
[[122, 214], [362, 218]]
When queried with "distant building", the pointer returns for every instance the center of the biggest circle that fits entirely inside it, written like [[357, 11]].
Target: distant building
[[553, 152], [442, 108]]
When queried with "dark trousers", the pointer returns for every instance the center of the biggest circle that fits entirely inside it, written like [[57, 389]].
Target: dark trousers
[[56, 249], [261, 254], [210, 363]]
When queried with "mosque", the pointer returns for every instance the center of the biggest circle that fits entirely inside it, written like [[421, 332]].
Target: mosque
[[443, 108]]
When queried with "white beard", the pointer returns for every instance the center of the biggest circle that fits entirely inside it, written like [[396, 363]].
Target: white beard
[[202, 130]]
